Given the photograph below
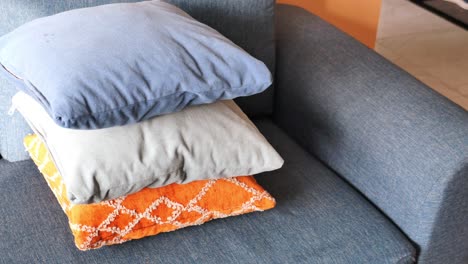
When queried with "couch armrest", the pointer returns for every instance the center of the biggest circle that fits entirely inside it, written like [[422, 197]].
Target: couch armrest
[[403, 145]]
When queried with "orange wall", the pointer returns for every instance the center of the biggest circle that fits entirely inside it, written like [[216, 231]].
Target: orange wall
[[358, 18]]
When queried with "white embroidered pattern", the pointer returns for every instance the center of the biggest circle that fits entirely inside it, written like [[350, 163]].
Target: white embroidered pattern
[[119, 209]]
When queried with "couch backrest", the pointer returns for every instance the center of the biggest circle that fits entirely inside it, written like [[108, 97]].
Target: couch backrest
[[248, 23]]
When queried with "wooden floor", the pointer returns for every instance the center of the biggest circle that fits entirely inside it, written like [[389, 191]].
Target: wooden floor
[[429, 47]]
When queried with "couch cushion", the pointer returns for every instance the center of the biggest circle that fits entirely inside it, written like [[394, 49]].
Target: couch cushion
[[319, 218]]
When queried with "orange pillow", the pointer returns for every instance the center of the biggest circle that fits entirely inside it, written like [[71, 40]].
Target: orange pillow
[[151, 210]]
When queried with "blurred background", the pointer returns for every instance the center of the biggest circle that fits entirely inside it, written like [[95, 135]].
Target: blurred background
[[426, 38]]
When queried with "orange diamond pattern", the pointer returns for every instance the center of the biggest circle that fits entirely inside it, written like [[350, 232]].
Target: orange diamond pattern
[[151, 210]]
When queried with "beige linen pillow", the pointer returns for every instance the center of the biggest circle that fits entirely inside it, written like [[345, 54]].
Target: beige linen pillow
[[200, 142]]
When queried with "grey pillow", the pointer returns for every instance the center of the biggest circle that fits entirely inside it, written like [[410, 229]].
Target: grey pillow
[[200, 142], [123, 63]]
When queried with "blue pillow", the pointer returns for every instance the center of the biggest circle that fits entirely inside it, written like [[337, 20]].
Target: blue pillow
[[123, 63]]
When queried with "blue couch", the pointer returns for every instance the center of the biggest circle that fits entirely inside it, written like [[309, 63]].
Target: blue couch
[[375, 162]]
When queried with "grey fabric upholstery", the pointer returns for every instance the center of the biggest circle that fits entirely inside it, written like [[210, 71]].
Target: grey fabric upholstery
[[319, 218], [12, 128], [404, 146], [249, 23]]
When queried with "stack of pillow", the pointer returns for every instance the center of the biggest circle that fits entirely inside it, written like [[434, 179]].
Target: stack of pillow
[[135, 129]]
